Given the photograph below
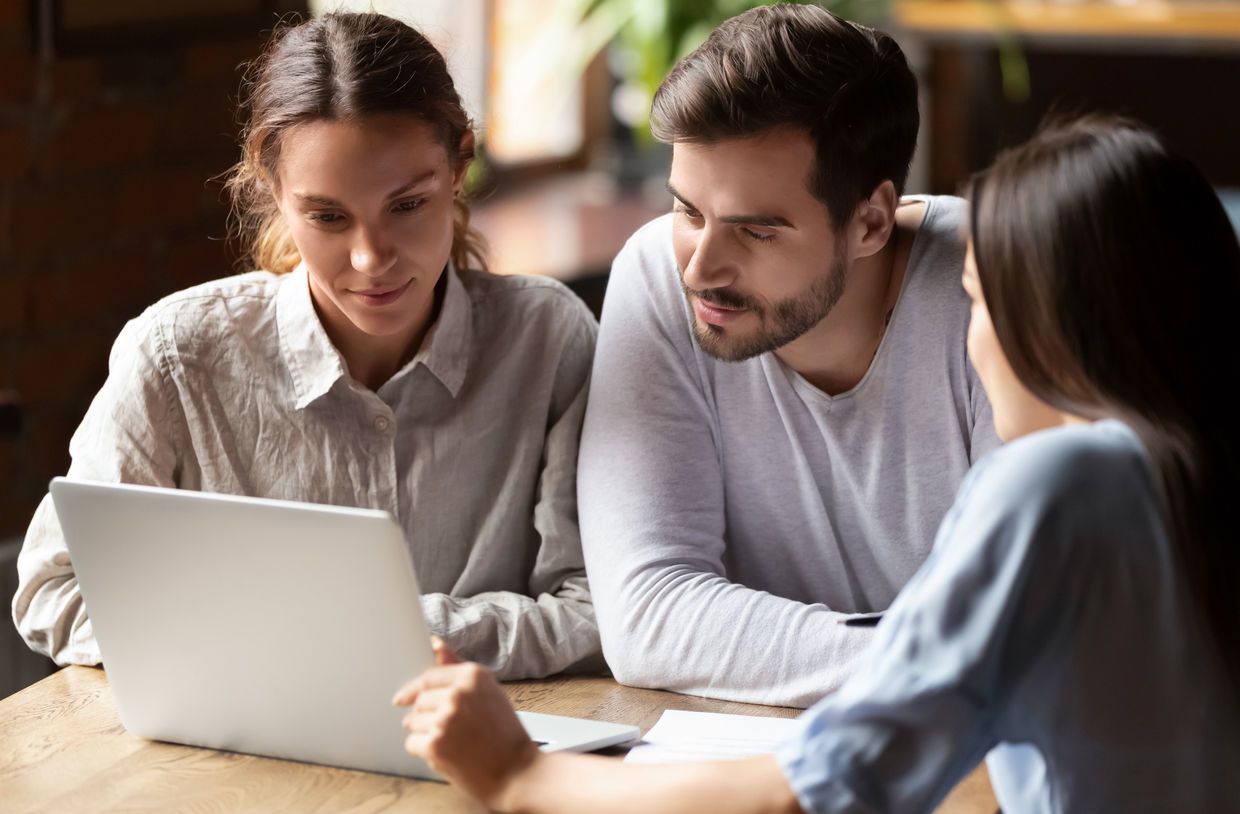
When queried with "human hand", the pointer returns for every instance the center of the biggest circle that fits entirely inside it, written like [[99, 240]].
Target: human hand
[[462, 724]]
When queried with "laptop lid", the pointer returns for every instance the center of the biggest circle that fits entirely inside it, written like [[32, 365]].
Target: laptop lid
[[261, 626]]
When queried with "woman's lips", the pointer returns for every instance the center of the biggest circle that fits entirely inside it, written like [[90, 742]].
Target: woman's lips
[[381, 296], [715, 314]]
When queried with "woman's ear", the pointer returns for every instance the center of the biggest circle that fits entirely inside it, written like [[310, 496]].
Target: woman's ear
[[465, 156]]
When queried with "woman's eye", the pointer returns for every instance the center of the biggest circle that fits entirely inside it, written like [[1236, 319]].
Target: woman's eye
[[409, 206], [758, 236], [325, 218]]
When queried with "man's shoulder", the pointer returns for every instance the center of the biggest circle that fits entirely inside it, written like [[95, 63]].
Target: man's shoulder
[[645, 277], [646, 260], [943, 227], [936, 256], [648, 252], [950, 211], [655, 234]]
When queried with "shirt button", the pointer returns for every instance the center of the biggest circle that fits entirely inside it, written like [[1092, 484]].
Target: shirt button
[[382, 423]]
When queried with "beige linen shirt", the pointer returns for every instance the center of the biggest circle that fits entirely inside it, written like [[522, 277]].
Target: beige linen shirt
[[234, 387]]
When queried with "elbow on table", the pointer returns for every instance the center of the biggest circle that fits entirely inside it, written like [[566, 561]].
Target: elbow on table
[[633, 672], [631, 658], [51, 619], [39, 638]]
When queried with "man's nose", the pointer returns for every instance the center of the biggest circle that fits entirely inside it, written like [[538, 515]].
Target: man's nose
[[710, 264]]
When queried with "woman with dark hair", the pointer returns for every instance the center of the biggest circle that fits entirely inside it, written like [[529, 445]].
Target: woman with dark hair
[[370, 362], [1077, 622]]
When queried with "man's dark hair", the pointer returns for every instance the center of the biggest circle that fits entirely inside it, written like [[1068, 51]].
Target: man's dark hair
[[800, 66]]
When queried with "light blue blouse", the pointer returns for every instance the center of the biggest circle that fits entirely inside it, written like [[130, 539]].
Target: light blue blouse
[[1048, 631]]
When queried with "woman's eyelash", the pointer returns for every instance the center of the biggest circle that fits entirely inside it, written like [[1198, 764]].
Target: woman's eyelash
[[409, 205], [333, 218]]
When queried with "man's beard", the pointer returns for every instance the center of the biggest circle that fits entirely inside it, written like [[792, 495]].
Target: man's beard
[[778, 325]]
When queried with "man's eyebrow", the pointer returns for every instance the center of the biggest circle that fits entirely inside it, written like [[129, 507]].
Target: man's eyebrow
[[672, 191], [752, 220], [323, 200], [759, 220]]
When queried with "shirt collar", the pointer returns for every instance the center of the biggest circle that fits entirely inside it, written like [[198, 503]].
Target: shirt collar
[[313, 361], [445, 349], [315, 364]]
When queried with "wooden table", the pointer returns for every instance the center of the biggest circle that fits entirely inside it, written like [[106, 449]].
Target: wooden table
[[62, 749]]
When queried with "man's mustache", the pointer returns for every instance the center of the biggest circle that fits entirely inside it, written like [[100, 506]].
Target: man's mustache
[[722, 297]]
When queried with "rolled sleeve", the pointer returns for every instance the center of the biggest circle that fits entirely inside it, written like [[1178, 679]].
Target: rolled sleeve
[[127, 436]]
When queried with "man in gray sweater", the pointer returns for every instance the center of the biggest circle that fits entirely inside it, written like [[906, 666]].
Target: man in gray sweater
[[781, 406]]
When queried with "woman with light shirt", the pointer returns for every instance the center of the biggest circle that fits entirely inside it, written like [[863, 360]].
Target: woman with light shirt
[[1077, 623], [371, 362]]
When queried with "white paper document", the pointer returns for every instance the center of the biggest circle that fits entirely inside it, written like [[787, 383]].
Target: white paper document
[[681, 737]]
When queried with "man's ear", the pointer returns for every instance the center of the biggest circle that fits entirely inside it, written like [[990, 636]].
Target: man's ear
[[464, 157], [873, 220]]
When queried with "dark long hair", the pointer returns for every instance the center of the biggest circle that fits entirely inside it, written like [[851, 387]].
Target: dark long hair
[[1112, 275], [339, 66]]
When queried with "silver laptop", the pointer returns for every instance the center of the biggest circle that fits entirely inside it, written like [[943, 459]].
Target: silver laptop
[[261, 626]]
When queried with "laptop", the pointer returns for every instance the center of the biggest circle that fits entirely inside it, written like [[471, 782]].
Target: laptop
[[261, 626]]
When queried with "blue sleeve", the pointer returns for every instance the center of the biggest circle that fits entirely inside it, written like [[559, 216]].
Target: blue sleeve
[[919, 713]]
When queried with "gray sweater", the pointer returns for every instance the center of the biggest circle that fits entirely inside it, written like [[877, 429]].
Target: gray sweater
[[732, 514]]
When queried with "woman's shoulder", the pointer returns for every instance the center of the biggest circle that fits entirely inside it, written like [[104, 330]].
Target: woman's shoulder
[[1088, 478], [208, 313], [1048, 516], [1069, 459], [256, 287], [526, 299]]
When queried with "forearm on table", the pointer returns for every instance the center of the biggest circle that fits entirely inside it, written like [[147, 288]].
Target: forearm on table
[[47, 606], [52, 620], [517, 636], [554, 783], [700, 634]]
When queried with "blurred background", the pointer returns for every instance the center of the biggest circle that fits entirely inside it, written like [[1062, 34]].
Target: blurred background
[[115, 117]]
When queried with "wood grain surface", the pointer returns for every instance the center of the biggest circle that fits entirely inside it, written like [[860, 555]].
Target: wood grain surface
[[62, 749]]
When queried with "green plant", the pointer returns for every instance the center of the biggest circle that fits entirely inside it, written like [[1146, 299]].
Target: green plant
[[650, 36]]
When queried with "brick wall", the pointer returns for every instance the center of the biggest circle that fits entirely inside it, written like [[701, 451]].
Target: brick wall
[[105, 206]]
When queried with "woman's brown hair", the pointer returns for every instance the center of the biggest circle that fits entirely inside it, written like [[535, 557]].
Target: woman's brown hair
[[1111, 273], [338, 67]]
